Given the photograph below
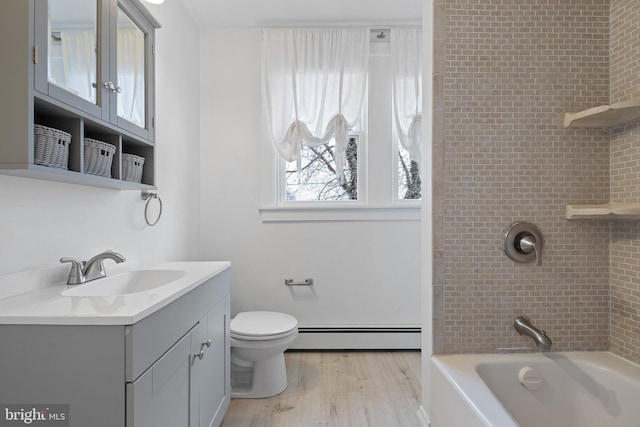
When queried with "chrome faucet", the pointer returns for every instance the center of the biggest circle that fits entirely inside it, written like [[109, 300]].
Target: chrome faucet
[[86, 271], [523, 326]]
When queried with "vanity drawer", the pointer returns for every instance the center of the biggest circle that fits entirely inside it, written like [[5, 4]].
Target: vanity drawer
[[147, 340]]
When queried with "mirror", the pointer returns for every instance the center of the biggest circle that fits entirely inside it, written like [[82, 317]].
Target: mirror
[[72, 63], [131, 70]]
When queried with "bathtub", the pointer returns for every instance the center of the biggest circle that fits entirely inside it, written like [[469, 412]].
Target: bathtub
[[582, 389]]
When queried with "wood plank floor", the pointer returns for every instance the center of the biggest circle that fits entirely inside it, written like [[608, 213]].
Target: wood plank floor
[[346, 389]]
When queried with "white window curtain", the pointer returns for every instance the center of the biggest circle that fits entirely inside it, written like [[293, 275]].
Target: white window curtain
[[314, 83], [79, 62], [406, 59], [131, 73]]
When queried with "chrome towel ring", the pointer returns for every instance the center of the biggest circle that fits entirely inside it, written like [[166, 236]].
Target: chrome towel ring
[[147, 195]]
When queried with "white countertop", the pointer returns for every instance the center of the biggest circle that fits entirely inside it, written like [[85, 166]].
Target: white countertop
[[26, 298]]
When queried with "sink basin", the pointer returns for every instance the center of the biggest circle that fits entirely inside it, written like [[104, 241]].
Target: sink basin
[[130, 282]]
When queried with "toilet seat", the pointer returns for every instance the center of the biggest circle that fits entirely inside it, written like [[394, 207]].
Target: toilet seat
[[262, 325]]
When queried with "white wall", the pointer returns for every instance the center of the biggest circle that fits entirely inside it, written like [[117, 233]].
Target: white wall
[[41, 221], [366, 273]]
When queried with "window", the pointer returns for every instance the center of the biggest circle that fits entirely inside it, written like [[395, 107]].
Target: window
[[377, 171], [406, 62], [408, 179], [317, 179]]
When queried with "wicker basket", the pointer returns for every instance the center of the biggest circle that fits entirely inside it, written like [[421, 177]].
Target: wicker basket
[[98, 157], [132, 167], [51, 147]]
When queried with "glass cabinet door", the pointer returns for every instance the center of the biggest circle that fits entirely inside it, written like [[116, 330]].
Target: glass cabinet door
[[133, 52], [70, 53], [73, 41], [131, 91]]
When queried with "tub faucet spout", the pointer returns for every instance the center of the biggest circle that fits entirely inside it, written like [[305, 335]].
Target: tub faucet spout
[[523, 326]]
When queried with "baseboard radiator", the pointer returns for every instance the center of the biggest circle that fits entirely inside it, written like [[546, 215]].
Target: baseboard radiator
[[357, 338]]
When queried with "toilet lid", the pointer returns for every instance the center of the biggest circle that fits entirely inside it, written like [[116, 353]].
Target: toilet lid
[[262, 323]]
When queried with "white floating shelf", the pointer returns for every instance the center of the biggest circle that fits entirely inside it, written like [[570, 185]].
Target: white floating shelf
[[604, 211], [604, 116]]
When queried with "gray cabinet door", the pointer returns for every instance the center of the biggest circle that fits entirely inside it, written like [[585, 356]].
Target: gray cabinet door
[[160, 397], [210, 383], [73, 52]]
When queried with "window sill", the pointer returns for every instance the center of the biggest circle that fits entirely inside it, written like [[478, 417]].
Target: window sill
[[342, 213]]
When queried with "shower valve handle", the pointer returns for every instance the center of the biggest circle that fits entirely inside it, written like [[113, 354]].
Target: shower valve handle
[[528, 244]]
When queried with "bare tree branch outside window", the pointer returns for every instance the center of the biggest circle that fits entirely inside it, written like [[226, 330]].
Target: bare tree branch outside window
[[317, 178], [409, 184]]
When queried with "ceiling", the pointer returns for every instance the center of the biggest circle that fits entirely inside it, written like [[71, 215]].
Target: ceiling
[[265, 13]]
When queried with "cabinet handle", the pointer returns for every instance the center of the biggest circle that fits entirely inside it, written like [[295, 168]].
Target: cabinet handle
[[200, 354], [113, 88]]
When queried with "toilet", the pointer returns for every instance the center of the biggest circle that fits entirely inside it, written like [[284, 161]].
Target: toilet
[[258, 341]]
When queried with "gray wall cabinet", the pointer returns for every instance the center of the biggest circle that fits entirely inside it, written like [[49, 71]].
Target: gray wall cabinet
[[158, 372], [105, 93]]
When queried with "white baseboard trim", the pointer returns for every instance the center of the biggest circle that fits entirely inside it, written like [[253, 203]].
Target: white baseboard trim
[[357, 339]]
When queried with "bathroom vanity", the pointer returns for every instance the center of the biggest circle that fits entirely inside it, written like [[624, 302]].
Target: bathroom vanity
[[153, 357]]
